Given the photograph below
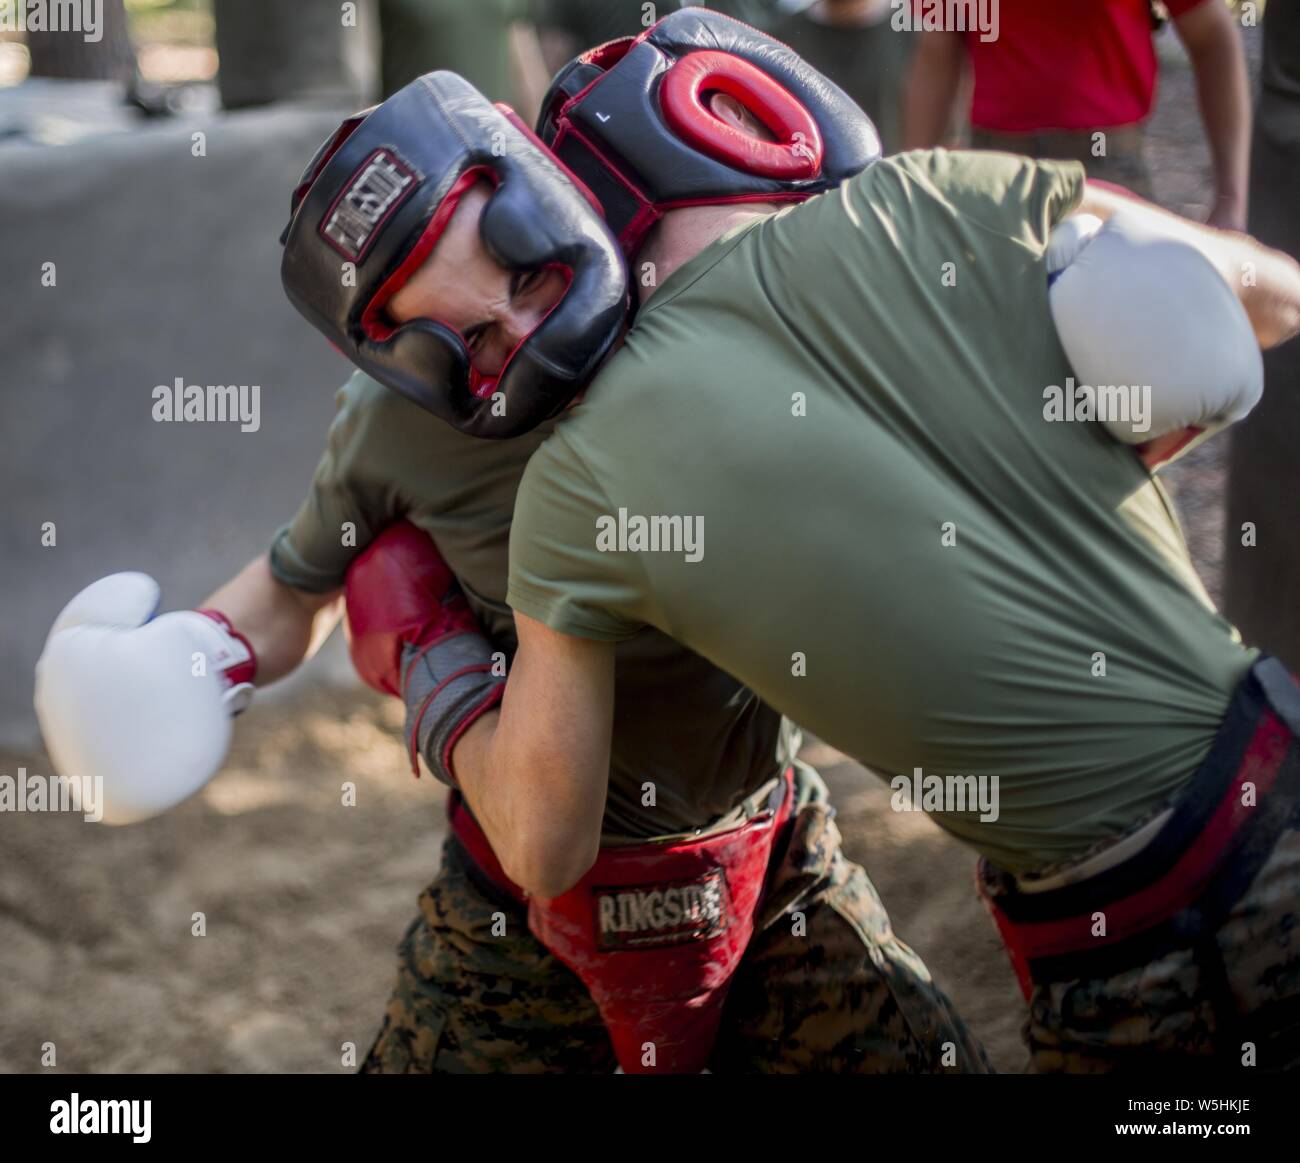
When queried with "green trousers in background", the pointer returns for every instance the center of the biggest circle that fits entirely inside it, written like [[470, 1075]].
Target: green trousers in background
[[470, 37]]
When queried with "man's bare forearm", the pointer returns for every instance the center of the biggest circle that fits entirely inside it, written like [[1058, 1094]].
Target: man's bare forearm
[[522, 810], [536, 772], [528, 68], [285, 626], [1209, 33], [930, 92]]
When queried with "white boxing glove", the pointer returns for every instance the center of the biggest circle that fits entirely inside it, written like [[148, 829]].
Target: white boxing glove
[[1137, 305], [142, 703]]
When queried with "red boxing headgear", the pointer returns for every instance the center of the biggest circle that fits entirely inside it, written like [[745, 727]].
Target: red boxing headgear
[[629, 119]]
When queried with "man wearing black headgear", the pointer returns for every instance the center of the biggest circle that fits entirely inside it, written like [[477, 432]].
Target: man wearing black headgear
[[721, 879]]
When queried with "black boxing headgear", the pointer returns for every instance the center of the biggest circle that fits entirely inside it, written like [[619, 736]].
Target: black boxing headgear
[[377, 196], [629, 119]]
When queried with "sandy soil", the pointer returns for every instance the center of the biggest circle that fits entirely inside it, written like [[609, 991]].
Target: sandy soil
[[303, 898]]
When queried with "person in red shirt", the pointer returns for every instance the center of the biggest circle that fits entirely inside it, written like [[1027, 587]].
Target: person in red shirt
[[1076, 79]]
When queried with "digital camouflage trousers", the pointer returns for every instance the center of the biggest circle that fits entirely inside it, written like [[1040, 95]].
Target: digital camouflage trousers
[[1229, 1002], [825, 985]]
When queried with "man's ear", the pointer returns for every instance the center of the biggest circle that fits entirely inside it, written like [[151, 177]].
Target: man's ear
[[731, 112]]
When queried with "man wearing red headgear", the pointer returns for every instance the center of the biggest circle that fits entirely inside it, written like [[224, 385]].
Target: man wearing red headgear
[[1002, 619]]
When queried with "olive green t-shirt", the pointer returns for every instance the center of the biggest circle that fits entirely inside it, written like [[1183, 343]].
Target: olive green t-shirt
[[877, 530], [701, 741]]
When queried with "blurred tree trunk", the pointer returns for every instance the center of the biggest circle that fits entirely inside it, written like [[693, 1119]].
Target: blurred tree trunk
[[1262, 577], [68, 54], [290, 50]]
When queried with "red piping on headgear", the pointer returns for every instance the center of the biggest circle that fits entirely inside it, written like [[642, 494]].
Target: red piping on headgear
[[648, 214], [683, 108], [344, 131], [519, 123], [379, 328], [735, 199], [606, 56], [373, 321]]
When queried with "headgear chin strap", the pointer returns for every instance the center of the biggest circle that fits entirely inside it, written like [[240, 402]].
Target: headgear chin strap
[[379, 193], [629, 118]]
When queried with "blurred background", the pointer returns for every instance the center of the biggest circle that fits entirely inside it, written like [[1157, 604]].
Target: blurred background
[[144, 179]]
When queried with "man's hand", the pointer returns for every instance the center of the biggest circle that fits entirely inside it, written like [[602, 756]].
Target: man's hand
[[535, 773], [412, 634], [1265, 281], [142, 703], [1138, 307], [145, 702]]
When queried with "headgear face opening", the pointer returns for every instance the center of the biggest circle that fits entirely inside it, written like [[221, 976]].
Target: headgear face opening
[[630, 119], [379, 194]]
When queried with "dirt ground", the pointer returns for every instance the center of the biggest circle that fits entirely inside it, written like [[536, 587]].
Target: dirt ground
[[303, 898]]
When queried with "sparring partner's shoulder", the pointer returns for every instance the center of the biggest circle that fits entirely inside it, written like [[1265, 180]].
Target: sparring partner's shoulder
[[350, 499], [568, 567], [1005, 194]]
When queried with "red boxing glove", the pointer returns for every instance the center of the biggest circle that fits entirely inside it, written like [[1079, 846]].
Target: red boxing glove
[[412, 634], [399, 591]]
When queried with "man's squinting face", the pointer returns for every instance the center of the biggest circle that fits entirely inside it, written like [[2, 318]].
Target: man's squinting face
[[462, 287]]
